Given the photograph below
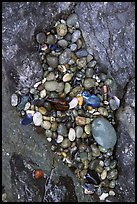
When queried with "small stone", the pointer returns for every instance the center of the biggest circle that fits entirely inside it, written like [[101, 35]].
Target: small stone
[[79, 43], [51, 85], [91, 100], [42, 110], [54, 126], [31, 112], [113, 164], [46, 125], [93, 164], [42, 93], [52, 60], [89, 83], [67, 88], [103, 196], [22, 103], [14, 99], [49, 139], [76, 35], [81, 62], [73, 47], [50, 39], [37, 119], [89, 58], [71, 134], [27, 106], [79, 131], [92, 63], [99, 169], [67, 77], [62, 130], [75, 91], [103, 111], [80, 120], [83, 156], [112, 183], [87, 129], [104, 133], [112, 174], [41, 38], [73, 103], [89, 72], [103, 174], [112, 193], [4, 196], [72, 20], [63, 43], [81, 53], [60, 87], [59, 139], [95, 150], [66, 143], [37, 84], [51, 76], [61, 29], [27, 119], [65, 56], [113, 104]]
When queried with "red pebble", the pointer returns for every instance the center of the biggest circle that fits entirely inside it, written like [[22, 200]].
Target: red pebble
[[38, 174]]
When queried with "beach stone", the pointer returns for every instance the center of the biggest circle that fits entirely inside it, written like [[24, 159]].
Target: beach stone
[[46, 125], [72, 19], [51, 85], [67, 88], [67, 77], [62, 130], [65, 56], [61, 29], [89, 83], [76, 35], [104, 133], [41, 38], [71, 134], [59, 139], [65, 143], [81, 53], [52, 60], [63, 43], [14, 99], [37, 119], [79, 131]]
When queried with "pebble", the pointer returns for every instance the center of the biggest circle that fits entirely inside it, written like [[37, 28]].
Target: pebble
[[73, 103], [37, 119], [41, 38], [112, 174], [92, 63], [27, 106], [113, 104], [92, 177], [81, 62], [51, 76], [75, 91], [89, 72], [46, 125], [60, 87], [89, 58], [59, 139], [73, 47], [80, 120], [112, 193], [103, 196], [79, 131], [71, 134], [14, 99], [62, 130], [27, 119], [72, 20], [65, 143], [50, 39], [43, 93], [52, 60], [95, 150], [89, 83], [103, 174], [91, 100], [51, 85], [65, 56], [63, 43], [67, 88], [81, 53], [87, 129], [83, 156], [104, 133], [103, 111], [67, 77], [42, 110], [61, 29], [76, 35], [112, 183]]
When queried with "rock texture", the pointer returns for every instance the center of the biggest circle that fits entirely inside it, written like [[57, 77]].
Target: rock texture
[[109, 32]]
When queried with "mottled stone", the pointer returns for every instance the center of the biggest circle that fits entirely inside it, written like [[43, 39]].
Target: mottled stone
[[51, 85]]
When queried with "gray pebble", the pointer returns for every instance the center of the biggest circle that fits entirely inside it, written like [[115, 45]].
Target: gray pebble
[[89, 83], [41, 38], [62, 130], [63, 43], [14, 99], [112, 174], [65, 56], [52, 60], [66, 143], [72, 19], [79, 131], [81, 53], [89, 72], [51, 85], [76, 35]]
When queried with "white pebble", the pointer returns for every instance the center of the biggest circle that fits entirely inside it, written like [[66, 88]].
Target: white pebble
[[37, 119], [14, 100], [103, 174], [46, 125], [73, 103], [67, 77], [49, 139], [27, 106], [43, 93], [37, 84], [111, 193], [59, 139], [71, 134], [30, 112], [103, 196]]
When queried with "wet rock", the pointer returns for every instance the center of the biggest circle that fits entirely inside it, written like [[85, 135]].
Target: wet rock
[[66, 143], [65, 56], [62, 130], [51, 85], [76, 35], [61, 29], [52, 61], [82, 53]]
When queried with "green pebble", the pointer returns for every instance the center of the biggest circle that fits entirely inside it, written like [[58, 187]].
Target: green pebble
[[112, 174]]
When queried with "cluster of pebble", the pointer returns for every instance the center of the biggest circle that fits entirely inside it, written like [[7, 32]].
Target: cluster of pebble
[[74, 107]]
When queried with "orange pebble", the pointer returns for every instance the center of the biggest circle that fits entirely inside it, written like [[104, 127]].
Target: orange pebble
[[38, 173], [80, 100], [89, 108]]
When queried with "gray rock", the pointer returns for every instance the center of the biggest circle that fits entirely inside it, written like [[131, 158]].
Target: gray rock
[[41, 37], [65, 56], [52, 61], [63, 43], [79, 131], [51, 85], [104, 133], [76, 35], [62, 130], [72, 19], [82, 53]]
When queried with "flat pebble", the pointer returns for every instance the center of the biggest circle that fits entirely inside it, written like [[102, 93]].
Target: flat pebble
[[63, 43], [104, 133], [67, 88], [81, 62], [71, 134], [62, 130], [46, 125], [51, 85], [103, 174], [79, 131], [67, 77], [72, 20], [81, 53], [103, 196], [59, 139], [73, 103], [14, 99], [76, 35], [52, 60], [87, 129], [37, 119]]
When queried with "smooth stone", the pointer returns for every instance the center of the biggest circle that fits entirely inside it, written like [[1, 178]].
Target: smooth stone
[[48, 133], [67, 88], [103, 196], [112, 174], [103, 174], [65, 56], [81, 62], [42, 93], [73, 47], [72, 20], [104, 133], [62, 68], [54, 126], [66, 143], [81, 53], [68, 37], [62, 130], [95, 150], [113, 164], [92, 63], [63, 43], [51, 76], [89, 83], [83, 156], [99, 169], [79, 43], [80, 120], [52, 60], [27, 119], [50, 39], [103, 111], [21, 105], [51, 85], [71, 134], [27, 106], [73, 103], [14, 99], [79, 131], [91, 100], [59, 139], [89, 72], [113, 104], [46, 125], [76, 35], [93, 164], [92, 177], [87, 129], [37, 119], [41, 38], [89, 58], [61, 29], [75, 91], [67, 77], [42, 110], [112, 183], [60, 87]]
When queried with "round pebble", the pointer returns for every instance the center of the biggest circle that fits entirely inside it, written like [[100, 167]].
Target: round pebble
[[76, 35], [89, 83], [66, 143], [59, 139], [67, 77], [14, 99], [73, 103], [46, 125], [37, 119], [61, 29], [79, 131], [41, 38], [103, 174], [52, 60], [71, 134], [51, 85], [67, 88], [63, 43], [62, 130], [65, 56]]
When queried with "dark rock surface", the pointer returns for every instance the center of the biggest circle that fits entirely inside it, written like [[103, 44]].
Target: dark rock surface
[[108, 29]]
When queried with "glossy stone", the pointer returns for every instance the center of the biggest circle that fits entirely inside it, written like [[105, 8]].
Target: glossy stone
[[91, 100], [104, 133], [92, 177]]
